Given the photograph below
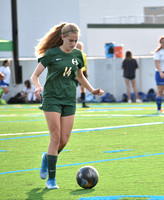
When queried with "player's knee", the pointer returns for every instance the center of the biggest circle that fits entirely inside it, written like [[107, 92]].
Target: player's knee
[[160, 93], [54, 139]]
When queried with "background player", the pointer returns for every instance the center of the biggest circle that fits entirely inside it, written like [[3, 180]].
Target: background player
[[79, 45], [159, 74]]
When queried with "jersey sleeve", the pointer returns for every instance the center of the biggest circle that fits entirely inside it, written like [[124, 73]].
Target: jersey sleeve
[[46, 59], [81, 61], [156, 56]]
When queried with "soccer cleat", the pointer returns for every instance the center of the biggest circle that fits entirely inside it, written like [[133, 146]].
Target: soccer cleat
[[51, 184], [138, 101], [159, 111], [85, 106], [129, 101], [44, 167]]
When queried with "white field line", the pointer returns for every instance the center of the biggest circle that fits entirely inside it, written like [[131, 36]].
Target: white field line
[[88, 129], [117, 115], [22, 115], [27, 133], [83, 115]]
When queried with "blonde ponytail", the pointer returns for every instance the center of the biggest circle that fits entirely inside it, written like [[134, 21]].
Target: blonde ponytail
[[53, 37]]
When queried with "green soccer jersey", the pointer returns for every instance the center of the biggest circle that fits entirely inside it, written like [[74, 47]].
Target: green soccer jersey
[[60, 85]]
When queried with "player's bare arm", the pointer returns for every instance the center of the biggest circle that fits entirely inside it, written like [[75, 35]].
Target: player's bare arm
[[2, 76], [35, 80]]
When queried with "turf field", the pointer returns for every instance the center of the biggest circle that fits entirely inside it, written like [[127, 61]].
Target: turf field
[[124, 142]]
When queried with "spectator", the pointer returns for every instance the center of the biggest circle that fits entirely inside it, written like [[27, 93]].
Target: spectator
[[28, 92], [129, 66]]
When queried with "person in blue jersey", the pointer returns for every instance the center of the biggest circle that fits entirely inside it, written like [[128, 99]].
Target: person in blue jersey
[[57, 52], [159, 73]]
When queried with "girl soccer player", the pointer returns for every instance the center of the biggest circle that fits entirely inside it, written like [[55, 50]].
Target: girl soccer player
[[57, 52], [159, 74]]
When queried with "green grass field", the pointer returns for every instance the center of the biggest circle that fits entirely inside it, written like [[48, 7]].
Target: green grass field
[[124, 142]]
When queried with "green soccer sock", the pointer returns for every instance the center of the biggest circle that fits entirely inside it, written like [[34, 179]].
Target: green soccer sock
[[51, 161]]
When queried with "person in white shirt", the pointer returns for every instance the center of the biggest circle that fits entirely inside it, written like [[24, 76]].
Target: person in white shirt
[[28, 92], [159, 74], [5, 82]]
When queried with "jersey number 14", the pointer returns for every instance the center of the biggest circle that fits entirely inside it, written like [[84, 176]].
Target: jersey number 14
[[67, 71]]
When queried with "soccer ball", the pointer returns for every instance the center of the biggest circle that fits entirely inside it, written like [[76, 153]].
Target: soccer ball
[[87, 177]]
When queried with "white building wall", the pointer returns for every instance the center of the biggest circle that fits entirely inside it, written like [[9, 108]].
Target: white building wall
[[36, 17], [93, 11], [108, 75], [141, 41], [103, 73]]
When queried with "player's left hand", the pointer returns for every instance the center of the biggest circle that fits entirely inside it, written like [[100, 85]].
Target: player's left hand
[[98, 92], [2, 76], [38, 92]]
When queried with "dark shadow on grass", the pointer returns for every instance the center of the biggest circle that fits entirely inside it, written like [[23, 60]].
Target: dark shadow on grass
[[82, 191], [36, 194]]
